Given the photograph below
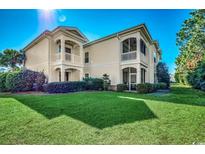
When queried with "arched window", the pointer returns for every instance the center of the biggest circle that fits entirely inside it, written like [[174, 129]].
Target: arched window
[[58, 46], [129, 45]]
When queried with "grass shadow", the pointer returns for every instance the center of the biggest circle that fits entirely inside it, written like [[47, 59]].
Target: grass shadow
[[178, 95], [98, 110]]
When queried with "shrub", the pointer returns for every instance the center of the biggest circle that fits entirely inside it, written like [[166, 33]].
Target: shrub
[[12, 80], [121, 87], [24, 80], [106, 81], [28, 78], [160, 85], [40, 81], [145, 88], [65, 87], [94, 83], [44, 87], [202, 86], [3, 82]]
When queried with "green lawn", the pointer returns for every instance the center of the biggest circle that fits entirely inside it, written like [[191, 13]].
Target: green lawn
[[104, 118]]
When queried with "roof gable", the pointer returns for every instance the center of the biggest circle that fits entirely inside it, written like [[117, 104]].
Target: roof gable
[[72, 30], [46, 33]]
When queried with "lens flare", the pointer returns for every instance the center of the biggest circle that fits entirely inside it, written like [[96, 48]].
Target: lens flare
[[46, 18]]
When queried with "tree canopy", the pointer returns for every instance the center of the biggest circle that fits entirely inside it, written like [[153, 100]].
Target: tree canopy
[[11, 59], [191, 42]]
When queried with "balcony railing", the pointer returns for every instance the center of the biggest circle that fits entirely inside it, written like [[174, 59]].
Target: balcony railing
[[129, 56], [69, 58]]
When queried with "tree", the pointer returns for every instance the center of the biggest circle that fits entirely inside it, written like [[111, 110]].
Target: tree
[[163, 73], [191, 42], [196, 78], [11, 59]]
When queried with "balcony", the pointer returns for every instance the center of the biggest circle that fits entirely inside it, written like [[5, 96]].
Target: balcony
[[129, 56], [69, 58]]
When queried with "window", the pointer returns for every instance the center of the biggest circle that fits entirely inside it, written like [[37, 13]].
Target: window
[[86, 75], [59, 48], [143, 73], [133, 70], [129, 45], [67, 50], [86, 57], [125, 45], [142, 47], [133, 44]]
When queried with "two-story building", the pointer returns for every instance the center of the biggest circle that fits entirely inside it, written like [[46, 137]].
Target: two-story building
[[65, 54]]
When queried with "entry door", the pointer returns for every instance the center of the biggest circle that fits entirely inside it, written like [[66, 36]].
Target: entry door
[[67, 76], [133, 81]]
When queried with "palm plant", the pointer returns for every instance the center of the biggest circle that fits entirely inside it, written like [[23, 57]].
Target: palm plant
[[12, 59]]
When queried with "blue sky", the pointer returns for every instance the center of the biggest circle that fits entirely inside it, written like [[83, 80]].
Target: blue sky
[[19, 27]]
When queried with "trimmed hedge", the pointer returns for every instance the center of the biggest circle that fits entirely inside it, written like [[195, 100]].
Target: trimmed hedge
[[160, 85], [145, 88], [149, 87], [94, 83], [65, 87], [24, 80], [3, 82], [74, 86], [121, 87]]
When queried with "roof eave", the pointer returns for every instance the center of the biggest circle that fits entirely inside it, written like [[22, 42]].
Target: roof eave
[[121, 33], [37, 39]]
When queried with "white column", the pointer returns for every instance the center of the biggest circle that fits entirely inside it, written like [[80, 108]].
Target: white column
[[138, 73], [81, 74], [62, 49], [149, 57], [121, 76], [138, 47], [129, 76], [62, 74], [120, 80], [138, 59], [81, 54]]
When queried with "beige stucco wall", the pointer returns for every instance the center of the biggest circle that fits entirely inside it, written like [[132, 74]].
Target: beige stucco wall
[[75, 75], [104, 58], [37, 57]]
